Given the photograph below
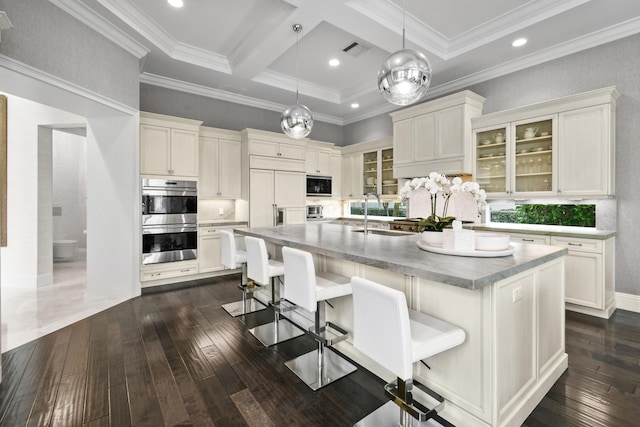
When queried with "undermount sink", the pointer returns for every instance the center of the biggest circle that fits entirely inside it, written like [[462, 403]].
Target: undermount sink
[[383, 232]]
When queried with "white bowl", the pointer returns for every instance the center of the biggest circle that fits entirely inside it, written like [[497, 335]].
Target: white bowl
[[491, 241]]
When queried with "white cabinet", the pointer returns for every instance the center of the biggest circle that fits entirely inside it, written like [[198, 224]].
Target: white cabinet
[[220, 164], [170, 270], [590, 277], [589, 271], [271, 190], [563, 147], [518, 158], [352, 178], [435, 136], [318, 161], [209, 253], [336, 174], [270, 150], [587, 144], [378, 172], [277, 149], [168, 145]]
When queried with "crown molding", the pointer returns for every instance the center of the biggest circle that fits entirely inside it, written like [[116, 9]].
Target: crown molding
[[288, 83], [44, 77], [222, 95], [143, 25], [96, 22]]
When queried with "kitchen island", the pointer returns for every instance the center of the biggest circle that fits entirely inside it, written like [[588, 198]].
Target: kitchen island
[[511, 309]]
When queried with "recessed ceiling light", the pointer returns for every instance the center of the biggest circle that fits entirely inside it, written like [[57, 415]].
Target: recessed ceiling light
[[334, 62], [176, 3], [519, 42], [355, 105]]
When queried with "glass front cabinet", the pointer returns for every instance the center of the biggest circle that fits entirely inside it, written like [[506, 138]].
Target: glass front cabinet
[[378, 173], [518, 158]]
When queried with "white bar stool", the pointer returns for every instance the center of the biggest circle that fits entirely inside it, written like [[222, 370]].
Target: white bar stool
[[395, 337], [310, 291], [263, 271], [234, 258]]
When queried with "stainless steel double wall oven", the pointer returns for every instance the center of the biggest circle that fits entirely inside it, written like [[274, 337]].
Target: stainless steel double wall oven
[[169, 221]]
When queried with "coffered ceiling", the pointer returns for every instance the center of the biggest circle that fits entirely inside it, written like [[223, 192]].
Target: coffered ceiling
[[245, 50]]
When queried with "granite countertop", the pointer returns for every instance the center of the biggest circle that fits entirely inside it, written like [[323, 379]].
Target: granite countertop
[[549, 230], [401, 253]]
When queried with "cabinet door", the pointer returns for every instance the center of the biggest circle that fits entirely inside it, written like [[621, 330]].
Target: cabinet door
[[493, 160], [208, 183], [352, 183], [583, 285], [293, 216], [261, 195], [263, 148], [336, 174], [425, 138], [371, 172], [534, 156], [184, 152], [403, 141], [290, 189], [585, 156], [291, 151], [229, 170], [311, 164], [155, 143], [451, 140], [324, 162], [209, 252]]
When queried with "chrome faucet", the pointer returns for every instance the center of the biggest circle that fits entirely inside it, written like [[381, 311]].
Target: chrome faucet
[[366, 203]]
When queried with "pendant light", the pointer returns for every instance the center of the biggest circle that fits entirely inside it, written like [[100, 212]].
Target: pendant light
[[296, 120], [405, 75]]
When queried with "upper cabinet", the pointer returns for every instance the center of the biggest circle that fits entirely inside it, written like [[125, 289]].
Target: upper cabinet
[[220, 164], [270, 150], [168, 145], [435, 136], [352, 168], [318, 160], [564, 147]]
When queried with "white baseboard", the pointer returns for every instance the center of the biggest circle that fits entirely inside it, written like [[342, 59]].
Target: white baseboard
[[628, 302]]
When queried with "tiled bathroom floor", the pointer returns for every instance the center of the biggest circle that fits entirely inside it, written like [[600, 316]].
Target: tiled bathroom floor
[[31, 313]]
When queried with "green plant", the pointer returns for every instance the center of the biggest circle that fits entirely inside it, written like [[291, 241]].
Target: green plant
[[554, 214]]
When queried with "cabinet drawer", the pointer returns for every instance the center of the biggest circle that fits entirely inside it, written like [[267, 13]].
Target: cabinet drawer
[[166, 274], [577, 244], [530, 238]]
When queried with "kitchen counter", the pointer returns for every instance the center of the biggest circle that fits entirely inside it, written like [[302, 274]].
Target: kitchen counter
[[401, 254], [511, 309], [548, 230]]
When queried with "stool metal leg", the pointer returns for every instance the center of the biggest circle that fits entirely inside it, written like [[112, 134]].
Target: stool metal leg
[[277, 331], [246, 305], [321, 367]]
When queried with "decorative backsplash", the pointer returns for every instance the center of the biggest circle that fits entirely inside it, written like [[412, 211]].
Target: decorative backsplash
[[582, 215]]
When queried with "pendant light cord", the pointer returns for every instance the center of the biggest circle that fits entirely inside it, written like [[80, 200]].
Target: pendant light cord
[[403, 22], [297, 62]]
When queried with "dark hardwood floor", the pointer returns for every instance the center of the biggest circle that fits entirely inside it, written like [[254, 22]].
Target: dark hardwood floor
[[177, 359]]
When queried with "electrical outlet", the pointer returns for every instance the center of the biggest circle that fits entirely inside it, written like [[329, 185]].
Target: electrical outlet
[[220, 211], [517, 294]]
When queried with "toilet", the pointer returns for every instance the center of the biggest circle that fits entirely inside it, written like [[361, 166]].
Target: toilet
[[63, 249]]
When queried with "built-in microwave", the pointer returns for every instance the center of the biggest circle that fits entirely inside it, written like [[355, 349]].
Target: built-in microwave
[[318, 186]]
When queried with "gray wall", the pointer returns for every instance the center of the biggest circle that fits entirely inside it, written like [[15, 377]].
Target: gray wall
[[47, 38], [372, 129], [223, 114]]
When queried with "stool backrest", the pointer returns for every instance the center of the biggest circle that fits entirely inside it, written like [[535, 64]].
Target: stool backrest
[[257, 260], [228, 249], [381, 328], [299, 278]]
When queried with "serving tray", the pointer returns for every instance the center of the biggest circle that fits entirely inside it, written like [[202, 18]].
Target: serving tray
[[480, 254]]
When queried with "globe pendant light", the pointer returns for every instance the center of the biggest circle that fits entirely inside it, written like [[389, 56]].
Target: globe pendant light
[[296, 120], [405, 75]]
